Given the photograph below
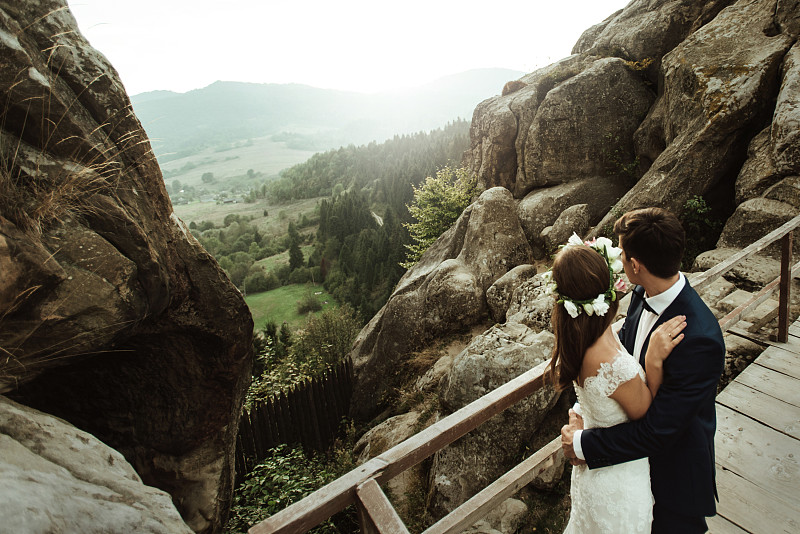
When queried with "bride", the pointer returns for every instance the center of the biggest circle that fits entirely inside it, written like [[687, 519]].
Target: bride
[[609, 382]]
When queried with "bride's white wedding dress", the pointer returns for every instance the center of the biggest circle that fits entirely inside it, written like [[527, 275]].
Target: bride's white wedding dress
[[614, 499]]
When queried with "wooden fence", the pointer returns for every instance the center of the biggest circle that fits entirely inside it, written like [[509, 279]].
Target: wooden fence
[[309, 414]]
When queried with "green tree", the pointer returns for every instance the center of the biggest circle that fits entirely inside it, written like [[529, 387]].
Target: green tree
[[208, 178], [438, 202], [296, 259], [327, 337]]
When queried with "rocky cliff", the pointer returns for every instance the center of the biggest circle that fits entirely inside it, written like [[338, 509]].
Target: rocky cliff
[[112, 316], [663, 101]]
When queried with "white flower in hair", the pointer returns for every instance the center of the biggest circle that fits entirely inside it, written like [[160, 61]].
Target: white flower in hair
[[574, 239], [603, 243], [600, 305], [572, 310]]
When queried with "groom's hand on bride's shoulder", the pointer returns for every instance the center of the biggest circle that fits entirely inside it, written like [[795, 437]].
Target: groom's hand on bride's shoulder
[[567, 435]]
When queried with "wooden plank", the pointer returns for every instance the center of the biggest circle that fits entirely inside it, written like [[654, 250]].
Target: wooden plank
[[754, 509], [699, 282], [758, 453], [768, 410], [763, 321], [381, 512], [719, 525], [780, 360], [792, 344], [498, 491], [794, 329], [771, 382]]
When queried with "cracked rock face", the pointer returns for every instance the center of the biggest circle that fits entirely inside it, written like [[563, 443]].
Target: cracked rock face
[[489, 361], [115, 319]]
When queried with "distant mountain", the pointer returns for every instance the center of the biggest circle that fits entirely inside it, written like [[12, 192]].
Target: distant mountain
[[307, 117]]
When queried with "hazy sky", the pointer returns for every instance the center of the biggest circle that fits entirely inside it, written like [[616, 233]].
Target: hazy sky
[[358, 45]]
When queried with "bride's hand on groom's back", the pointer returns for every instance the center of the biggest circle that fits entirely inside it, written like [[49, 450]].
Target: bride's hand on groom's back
[[665, 338]]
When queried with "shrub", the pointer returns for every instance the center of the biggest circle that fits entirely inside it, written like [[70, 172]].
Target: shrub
[[260, 281], [309, 303], [438, 202], [328, 337], [284, 477]]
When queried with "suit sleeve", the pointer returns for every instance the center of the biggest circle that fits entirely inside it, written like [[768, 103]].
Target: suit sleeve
[[691, 374]]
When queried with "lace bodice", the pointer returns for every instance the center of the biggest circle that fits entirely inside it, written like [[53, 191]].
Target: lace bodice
[[617, 498], [597, 407]]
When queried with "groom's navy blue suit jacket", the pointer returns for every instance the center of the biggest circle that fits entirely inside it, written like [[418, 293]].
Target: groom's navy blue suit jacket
[[677, 433]]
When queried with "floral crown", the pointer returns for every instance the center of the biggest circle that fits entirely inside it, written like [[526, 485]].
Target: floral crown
[[598, 305]]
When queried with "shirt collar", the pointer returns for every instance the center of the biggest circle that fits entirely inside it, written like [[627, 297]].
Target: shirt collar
[[660, 302]]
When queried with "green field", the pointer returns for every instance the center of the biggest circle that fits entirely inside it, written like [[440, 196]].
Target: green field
[[280, 305], [275, 223], [277, 260], [229, 165]]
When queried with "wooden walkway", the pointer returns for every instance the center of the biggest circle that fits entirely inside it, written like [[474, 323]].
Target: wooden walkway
[[758, 445]]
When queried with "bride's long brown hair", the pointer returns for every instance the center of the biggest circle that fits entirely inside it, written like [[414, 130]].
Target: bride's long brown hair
[[580, 273]]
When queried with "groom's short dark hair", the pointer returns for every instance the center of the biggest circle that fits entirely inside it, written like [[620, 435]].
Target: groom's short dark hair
[[655, 237]]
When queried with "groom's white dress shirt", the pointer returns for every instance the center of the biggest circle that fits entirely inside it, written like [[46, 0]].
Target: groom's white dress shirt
[[658, 303]]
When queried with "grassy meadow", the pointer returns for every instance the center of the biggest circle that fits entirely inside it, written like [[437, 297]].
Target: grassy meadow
[[229, 164], [276, 222], [280, 305]]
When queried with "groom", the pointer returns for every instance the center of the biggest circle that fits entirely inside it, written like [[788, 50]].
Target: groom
[[677, 432]]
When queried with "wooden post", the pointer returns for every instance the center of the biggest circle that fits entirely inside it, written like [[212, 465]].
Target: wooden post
[[323, 417], [275, 429], [786, 285], [376, 515], [247, 442], [314, 418]]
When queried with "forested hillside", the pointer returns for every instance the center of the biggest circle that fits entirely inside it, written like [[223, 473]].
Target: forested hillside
[[359, 241], [384, 172]]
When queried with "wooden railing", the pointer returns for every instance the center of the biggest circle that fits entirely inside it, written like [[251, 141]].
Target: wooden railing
[[361, 486]]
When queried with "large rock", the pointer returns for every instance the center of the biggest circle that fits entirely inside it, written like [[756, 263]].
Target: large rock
[[115, 318], [785, 134], [573, 220], [758, 173], [57, 478], [717, 88], [506, 518], [752, 273], [498, 297], [648, 29], [787, 191], [444, 293], [489, 361], [500, 124], [754, 219], [531, 304], [380, 439], [541, 207], [584, 127]]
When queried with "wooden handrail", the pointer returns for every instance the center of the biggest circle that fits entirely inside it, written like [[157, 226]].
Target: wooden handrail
[[715, 272], [340, 493], [361, 485]]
